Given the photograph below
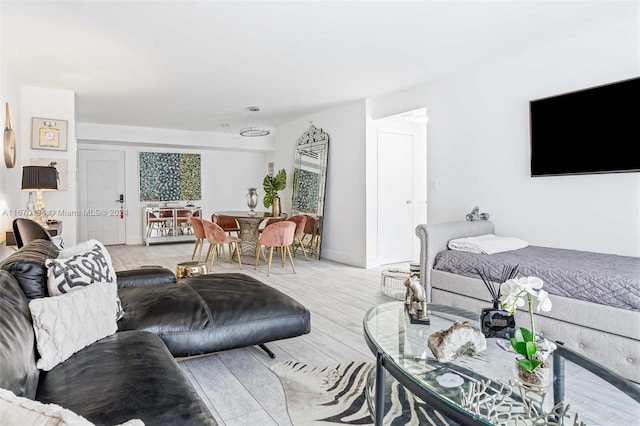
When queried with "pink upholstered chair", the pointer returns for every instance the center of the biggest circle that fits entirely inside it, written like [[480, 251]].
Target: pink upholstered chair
[[198, 231], [217, 237], [268, 222], [300, 221], [279, 234]]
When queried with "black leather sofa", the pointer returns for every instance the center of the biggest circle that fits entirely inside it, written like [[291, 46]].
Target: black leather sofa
[[133, 373]]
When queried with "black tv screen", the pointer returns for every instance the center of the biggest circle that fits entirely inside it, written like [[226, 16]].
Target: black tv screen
[[596, 130]]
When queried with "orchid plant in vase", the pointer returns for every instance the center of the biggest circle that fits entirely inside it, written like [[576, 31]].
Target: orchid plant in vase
[[516, 293]]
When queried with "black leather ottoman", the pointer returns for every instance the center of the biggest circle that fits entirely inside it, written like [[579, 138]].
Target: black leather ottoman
[[213, 312]]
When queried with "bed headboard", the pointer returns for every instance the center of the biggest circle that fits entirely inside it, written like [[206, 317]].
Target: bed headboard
[[434, 239]]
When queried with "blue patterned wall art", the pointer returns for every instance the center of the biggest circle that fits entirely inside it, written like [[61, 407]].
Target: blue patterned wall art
[[308, 191], [169, 176]]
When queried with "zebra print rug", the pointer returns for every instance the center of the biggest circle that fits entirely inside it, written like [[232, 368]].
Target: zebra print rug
[[336, 395]]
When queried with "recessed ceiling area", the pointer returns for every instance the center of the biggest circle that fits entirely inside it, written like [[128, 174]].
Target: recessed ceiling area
[[195, 65]]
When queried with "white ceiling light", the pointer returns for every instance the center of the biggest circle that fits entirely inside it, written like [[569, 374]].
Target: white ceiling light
[[253, 129]]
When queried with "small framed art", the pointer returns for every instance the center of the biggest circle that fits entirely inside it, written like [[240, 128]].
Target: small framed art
[[49, 133]]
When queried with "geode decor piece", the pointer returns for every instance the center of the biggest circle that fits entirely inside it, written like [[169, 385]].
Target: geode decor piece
[[458, 340]]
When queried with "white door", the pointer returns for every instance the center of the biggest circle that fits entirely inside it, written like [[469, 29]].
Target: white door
[[395, 197], [100, 187]]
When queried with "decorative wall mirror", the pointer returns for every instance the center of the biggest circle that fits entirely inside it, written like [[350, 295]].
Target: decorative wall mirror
[[309, 183]]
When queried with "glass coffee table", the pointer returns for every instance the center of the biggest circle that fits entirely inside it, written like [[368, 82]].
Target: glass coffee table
[[482, 389]]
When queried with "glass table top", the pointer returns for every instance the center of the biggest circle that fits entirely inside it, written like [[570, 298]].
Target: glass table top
[[483, 387]]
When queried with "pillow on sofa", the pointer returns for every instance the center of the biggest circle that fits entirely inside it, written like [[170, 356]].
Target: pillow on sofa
[[80, 270], [65, 324], [19, 411], [84, 247], [89, 263], [15, 410]]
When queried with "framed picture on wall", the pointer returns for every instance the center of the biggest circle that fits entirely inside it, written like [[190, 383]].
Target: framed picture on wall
[[49, 134]]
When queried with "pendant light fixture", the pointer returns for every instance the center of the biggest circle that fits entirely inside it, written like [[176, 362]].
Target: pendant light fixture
[[252, 129]]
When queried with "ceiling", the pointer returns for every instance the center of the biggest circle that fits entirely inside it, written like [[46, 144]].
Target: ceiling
[[198, 64]]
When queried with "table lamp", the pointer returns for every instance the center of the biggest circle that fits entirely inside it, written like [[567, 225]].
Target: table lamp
[[39, 178]]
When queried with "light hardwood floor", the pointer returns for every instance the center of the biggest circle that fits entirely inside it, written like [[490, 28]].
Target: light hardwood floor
[[237, 385]]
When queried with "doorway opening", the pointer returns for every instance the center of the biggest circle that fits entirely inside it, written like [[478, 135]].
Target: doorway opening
[[402, 185]]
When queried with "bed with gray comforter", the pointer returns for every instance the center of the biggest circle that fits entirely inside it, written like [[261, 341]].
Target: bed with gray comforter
[[596, 296]]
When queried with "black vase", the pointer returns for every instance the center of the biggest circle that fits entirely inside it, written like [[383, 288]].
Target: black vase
[[495, 322]]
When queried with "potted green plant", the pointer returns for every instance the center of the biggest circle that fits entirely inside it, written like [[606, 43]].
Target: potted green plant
[[271, 185], [532, 368]]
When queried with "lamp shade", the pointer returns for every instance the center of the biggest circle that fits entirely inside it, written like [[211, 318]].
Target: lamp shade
[[39, 177]]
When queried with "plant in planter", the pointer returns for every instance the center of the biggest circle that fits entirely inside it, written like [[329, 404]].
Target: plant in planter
[[271, 185], [516, 293]]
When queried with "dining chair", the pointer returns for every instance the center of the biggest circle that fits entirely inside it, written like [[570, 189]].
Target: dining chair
[[216, 237], [27, 230], [198, 231], [183, 222], [279, 234], [312, 231], [227, 223], [268, 222], [157, 220], [300, 221]]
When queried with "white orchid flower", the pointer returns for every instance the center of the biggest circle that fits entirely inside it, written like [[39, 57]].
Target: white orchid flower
[[509, 287], [544, 303], [533, 284]]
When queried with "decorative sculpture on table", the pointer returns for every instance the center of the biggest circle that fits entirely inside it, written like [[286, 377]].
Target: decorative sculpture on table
[[476, 215], [416, 302], [252, 200]]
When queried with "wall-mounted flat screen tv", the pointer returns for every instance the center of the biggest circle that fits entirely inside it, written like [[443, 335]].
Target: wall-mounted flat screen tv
[[596, 130]]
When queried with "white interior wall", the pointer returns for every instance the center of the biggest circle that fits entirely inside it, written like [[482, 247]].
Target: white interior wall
[[226, 173], [6, 175], [57, 104], [343, 238], [478, 149]]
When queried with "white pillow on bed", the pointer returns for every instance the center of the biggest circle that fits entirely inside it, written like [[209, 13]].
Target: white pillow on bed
[[487, 244]]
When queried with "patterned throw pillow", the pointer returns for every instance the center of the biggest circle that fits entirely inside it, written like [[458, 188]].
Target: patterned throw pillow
[[79, 271], [85, 246]]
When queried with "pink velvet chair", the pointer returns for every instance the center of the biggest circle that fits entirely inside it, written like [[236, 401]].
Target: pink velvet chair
[[268, 222], [279, 234], [217, 237], [198, 232], [300, 221]]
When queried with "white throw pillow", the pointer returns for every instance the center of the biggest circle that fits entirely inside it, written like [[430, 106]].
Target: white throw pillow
[[65, 324], [19, 411]]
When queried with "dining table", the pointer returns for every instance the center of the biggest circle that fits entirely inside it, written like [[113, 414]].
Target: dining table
[[249, 224]]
